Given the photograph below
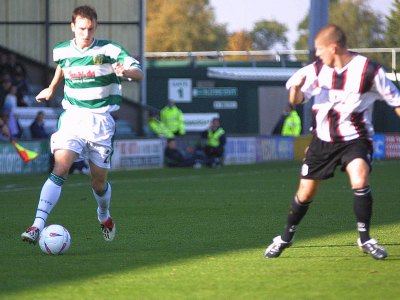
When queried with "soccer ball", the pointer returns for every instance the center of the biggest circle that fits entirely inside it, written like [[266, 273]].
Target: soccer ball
[[54, 239]]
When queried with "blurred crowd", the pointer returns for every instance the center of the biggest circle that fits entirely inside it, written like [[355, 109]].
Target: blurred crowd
[[13, 88]]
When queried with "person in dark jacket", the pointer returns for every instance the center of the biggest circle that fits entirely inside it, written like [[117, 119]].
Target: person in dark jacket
[[37, 127]]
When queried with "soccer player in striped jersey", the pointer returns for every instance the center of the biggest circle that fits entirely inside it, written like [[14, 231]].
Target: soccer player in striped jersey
[[91, 69], [344, 86]]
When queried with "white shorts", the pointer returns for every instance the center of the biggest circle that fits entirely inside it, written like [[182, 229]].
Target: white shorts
[[86, 133]]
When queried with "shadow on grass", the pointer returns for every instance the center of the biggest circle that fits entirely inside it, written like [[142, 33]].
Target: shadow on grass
[[164, 216]]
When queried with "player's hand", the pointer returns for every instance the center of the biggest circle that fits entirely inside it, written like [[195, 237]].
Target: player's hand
[[299, 82], [295, 94], [119, 69], [44, 95]]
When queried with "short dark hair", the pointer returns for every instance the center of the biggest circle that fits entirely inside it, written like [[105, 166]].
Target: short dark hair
[[84, 11], [333, 34]]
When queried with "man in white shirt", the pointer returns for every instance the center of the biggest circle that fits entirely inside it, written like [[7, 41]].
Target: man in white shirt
[[344, 86]]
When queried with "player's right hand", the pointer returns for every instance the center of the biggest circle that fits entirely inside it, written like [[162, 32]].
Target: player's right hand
[[44, 95]]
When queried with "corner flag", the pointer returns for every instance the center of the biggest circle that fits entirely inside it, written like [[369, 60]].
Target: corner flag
[[25, 154]]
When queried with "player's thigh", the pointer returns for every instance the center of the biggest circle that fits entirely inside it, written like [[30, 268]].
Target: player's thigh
[[63, 159], [307, 190], [358, 170]]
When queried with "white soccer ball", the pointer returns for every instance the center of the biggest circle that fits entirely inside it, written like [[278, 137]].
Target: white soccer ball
[[54, 239]]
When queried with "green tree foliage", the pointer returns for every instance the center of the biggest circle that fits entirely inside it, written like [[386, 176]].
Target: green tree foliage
[[364, 28], [269, 34], [183, 25], [392, 34]]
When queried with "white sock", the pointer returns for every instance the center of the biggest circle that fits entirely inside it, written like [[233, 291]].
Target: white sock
[[103, 202], [49, 196]]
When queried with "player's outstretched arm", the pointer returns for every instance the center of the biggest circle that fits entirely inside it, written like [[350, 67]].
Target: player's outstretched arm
[[47, 93]]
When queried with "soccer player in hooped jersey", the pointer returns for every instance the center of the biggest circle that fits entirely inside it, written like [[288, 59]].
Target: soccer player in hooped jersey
[[344, 86], [92, 69]]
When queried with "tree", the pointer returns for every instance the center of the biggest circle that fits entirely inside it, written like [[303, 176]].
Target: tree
[[239, 41], [392, 34], [268, 34], [363, 27], [183, 25]]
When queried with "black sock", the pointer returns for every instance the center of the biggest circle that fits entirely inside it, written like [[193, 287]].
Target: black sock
[[296, 213], [363, 211]]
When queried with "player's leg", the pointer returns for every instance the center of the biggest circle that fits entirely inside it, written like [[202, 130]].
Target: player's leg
[[318, 164], [50, 193], [297, 210], [299, 206], [358, 170], [102, 193]]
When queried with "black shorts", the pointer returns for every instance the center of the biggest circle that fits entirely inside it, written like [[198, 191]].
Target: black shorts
[[322, 158]]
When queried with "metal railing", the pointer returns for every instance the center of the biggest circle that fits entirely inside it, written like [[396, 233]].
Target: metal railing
[[277, 55]]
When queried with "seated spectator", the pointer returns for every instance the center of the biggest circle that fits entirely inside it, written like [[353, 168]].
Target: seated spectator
[[157, 127], [4, 88], [15, 129], [175, 157], [10, 101], [4, 132], [37, 127], [16, 73], [215, 143]]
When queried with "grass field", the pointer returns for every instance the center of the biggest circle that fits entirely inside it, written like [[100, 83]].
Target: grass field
[[201, 234]]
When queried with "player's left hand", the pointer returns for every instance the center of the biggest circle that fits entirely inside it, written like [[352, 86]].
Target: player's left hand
[[119, 69]]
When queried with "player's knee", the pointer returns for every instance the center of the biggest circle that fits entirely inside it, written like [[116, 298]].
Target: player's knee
[[359, 183], [61, 170], [99, 186]]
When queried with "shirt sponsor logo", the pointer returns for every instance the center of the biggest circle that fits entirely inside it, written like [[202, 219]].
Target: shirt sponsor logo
[[98, 59], [82, 77]]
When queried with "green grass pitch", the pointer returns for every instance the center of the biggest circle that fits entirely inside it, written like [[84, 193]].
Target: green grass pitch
[[201, 234]]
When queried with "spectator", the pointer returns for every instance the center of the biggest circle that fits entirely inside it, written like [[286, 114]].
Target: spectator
[[16, 73], [3, 62], [157, 127], [5, 88], [10, 101], [14, 128], [175, 157], [292, 123], [4, 131], [215, 143], [37, 127], [172, 118]]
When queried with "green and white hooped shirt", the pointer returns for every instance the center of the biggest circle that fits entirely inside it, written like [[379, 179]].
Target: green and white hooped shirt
[[90, 81]]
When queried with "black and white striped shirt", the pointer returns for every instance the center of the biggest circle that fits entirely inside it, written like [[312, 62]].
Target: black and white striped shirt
[[343, 99]]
